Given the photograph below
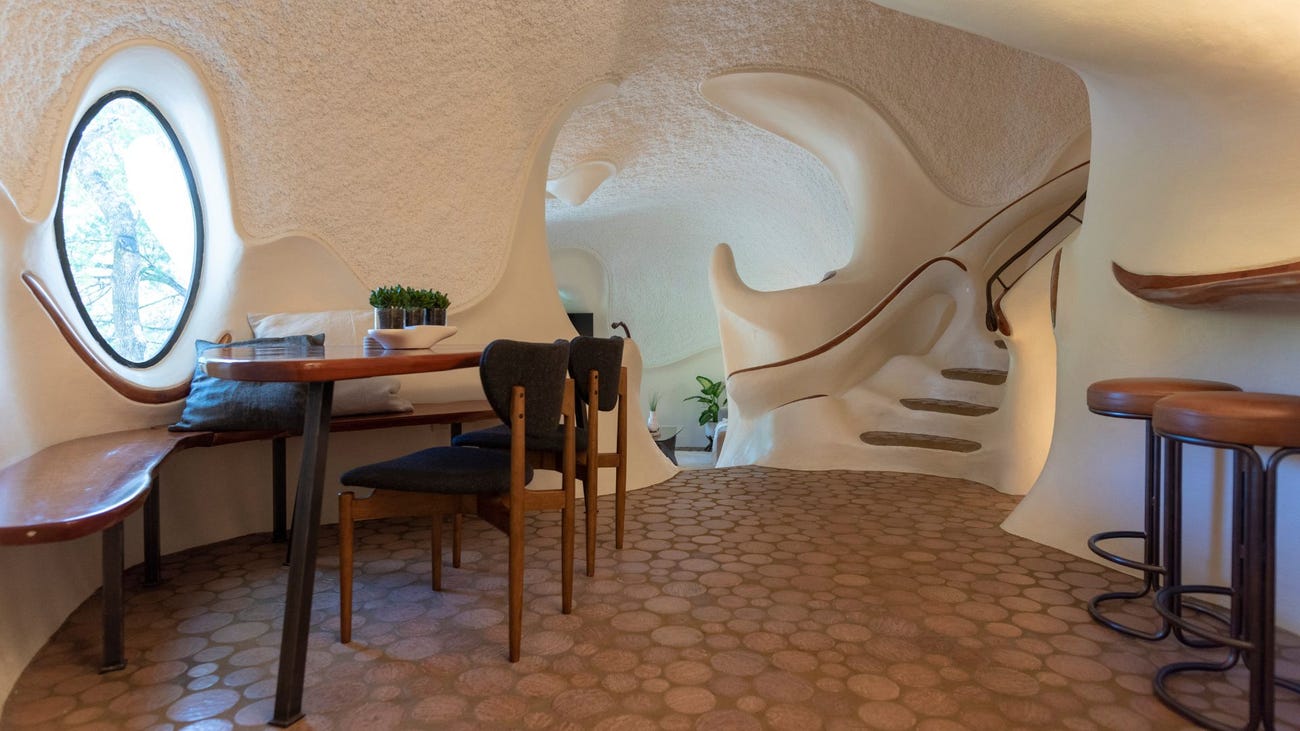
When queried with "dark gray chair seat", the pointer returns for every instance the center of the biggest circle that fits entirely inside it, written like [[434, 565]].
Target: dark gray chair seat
[[443, 470], [498, 437]]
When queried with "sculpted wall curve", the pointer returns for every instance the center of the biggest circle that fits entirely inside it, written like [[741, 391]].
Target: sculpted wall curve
[[1193, 172], [413, 146]]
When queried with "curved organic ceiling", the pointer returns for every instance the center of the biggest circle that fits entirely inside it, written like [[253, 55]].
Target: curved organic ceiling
[[402, 140], [984, 120]]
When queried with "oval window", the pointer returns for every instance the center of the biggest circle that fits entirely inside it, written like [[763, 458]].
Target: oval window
[[129, 228]]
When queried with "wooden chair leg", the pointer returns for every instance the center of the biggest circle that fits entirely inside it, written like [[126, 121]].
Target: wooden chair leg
[[620, 500], [346, 538], [566, 546], [457, 521], [437, 552], [516, 586], [590, 493]]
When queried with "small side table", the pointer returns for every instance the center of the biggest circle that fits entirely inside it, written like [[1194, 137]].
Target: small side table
[[667, 441]]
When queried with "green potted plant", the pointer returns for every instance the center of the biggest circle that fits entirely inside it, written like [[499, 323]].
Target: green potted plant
[[713, 394], [389, 312], [652, 423], [438, 304]]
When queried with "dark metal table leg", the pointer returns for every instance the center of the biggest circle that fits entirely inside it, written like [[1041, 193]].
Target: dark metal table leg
[[114, 636], [302, 569], [279, 489], [153, 536]]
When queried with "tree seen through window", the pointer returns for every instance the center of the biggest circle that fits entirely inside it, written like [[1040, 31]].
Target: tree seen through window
[[128, 219]]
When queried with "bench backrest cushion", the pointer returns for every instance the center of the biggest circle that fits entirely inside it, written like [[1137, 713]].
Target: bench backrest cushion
[[219, 404], [341, 327]]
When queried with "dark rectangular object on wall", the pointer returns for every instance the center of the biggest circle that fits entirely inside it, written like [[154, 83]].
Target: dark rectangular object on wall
[[583, 322]]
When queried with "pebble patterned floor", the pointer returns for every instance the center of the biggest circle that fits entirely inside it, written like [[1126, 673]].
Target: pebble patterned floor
[[747, 598]]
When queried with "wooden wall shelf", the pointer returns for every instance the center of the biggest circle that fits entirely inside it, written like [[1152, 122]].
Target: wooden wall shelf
[[1245, 288]]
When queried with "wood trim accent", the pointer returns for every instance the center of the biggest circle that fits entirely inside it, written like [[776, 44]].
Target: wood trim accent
[[1004, 325], [132, 391], [1054, 287], [804, 398], [860, 323], [1005, 208], [1242, 288]]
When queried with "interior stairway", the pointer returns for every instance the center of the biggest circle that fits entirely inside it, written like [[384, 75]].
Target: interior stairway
[[958, 407]]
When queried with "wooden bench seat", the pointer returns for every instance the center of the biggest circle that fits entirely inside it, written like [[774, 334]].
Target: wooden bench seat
[[90, 485]]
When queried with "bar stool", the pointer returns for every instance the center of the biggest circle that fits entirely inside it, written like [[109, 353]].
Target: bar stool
[[1134, 398], [1238, 422]]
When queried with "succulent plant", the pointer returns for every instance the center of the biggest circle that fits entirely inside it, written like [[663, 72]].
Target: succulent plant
[[408, 298]]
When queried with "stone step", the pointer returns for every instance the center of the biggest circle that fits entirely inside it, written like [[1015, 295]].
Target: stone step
[[989, 376], [945, 406], [920, 441]]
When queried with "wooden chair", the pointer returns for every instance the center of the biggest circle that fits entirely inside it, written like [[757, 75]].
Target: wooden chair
[[591, 361], [526, 386]]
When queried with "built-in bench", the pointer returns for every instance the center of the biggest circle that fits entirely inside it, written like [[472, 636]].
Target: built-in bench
[[90, 485]]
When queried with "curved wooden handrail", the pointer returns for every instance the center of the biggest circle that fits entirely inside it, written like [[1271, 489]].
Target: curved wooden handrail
[[1055, 285], [993, 317], [845, 334], [867, 318], [133, 391], [1001, 323], [1005, 208], [1277, 283]]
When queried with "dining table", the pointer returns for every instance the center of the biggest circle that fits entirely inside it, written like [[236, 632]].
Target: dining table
[[318, 367]]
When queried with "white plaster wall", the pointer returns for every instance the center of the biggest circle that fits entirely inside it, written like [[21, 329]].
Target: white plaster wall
[[218, 493], [1195, 169], [583, 282], [674, 382], [413, 146]]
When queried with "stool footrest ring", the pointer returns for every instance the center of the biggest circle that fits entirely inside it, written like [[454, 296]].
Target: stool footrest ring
[[1167, 697], [1094, 609], [1164, 599], [1118, 559]]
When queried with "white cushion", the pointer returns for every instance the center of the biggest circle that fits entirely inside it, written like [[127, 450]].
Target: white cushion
[[341, 327]]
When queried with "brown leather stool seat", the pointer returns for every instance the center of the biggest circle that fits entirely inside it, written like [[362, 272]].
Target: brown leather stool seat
[[1135, 398], [1257, 419], [1138, 396], [1239, 423]]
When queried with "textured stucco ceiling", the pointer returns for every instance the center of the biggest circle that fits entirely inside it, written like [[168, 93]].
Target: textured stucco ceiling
[[983, 119], [398, 133]]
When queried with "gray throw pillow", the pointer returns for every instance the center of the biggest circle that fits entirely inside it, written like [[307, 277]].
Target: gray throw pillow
[[219, 404]]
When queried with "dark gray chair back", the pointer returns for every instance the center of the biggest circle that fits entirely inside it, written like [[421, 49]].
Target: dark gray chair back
[[603, 355], [539, 368]]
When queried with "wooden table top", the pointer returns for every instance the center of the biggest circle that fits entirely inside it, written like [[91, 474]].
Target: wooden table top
[[332, 363]]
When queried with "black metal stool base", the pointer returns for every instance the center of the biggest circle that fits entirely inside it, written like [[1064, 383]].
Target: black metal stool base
[[1115, 558], [1150, 574], [1094, 609], [1237, 648], [1167, 697]]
